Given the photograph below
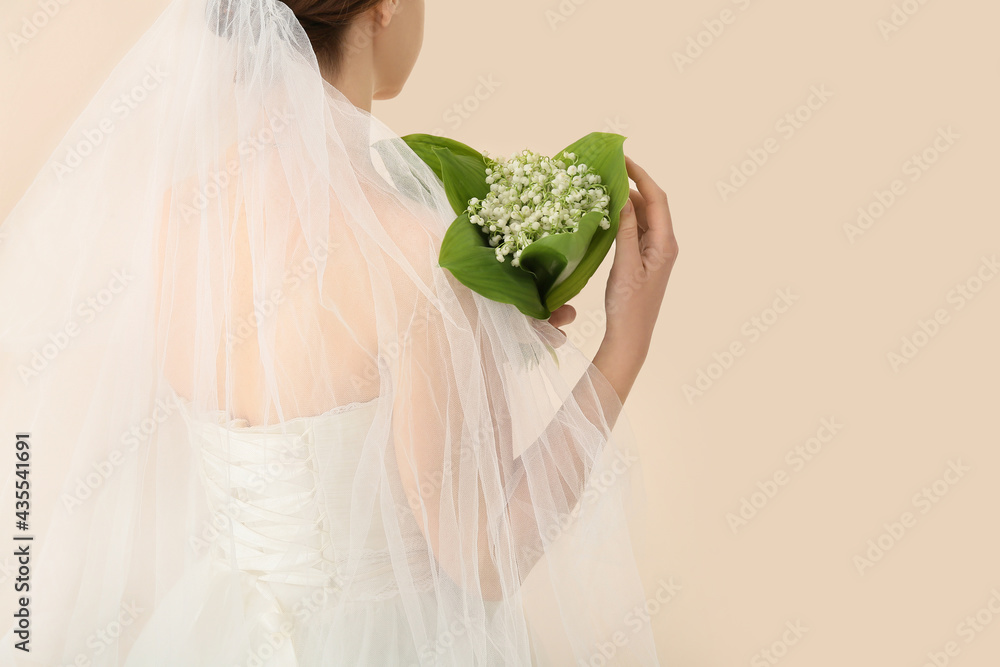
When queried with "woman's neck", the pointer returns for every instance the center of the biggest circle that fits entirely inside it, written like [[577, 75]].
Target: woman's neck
[[354, 76]]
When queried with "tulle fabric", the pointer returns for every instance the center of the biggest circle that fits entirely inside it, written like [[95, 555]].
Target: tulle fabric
[[266, 427]]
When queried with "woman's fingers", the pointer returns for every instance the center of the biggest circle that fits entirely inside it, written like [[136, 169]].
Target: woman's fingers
[[627, 241], [640, 209], [657, 209], [562, 316], [660, 231]]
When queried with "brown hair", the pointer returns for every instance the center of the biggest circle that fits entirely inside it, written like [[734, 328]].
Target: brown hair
[[326, 21]]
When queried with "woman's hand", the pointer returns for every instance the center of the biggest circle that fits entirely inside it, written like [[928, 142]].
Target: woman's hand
[[645, 251], [549, 331], [562, 316]]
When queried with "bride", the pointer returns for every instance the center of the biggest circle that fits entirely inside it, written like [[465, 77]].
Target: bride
[[255, 423]]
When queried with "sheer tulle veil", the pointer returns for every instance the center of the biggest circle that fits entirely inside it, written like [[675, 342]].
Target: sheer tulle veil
[[223, 237]]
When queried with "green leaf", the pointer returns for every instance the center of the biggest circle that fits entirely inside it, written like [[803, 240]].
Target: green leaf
[[553, 270], [604, 153], [464, 178], [427, 145], [474, 264], [556, 256]]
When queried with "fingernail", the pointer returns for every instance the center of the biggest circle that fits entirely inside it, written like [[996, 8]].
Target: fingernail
[[628, 207]]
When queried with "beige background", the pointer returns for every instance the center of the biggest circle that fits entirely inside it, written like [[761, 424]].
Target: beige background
[[561, 70]]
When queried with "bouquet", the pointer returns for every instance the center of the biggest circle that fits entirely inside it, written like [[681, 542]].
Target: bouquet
[[531, 230]]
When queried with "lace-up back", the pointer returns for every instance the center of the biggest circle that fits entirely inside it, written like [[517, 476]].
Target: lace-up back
[[285, 501]]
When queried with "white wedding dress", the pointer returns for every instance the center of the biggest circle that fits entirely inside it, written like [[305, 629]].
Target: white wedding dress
[[281, 560], [371, 465]]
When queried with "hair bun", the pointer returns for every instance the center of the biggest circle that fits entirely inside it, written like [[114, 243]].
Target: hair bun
[[326, 21]]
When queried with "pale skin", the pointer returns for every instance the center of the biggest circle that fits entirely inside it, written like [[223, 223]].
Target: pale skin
[[383, 48]]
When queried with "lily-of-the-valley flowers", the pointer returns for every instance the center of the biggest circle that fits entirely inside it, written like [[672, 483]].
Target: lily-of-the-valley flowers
[[531, 230], [533, 196]]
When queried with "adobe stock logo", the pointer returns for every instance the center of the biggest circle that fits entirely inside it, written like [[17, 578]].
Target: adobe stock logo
[[32, 25], [209, 190], [714, 29], [122, 107], [753, 329], [924, 501], [914, 168], [107, 636], [131, 440], [605, 653], [787, 127], [971, 627], [87, 311], [464, 109], [796, 458], [562, 13], [780, 647], [899, 17], [960, 296]]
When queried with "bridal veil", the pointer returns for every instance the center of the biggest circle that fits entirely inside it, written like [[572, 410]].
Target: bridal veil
[[223, 234]]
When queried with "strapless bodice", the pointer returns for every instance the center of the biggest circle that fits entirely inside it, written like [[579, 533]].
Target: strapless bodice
[[282, 497]]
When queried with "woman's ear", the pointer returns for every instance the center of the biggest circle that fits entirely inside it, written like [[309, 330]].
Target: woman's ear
[[385, 11]]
